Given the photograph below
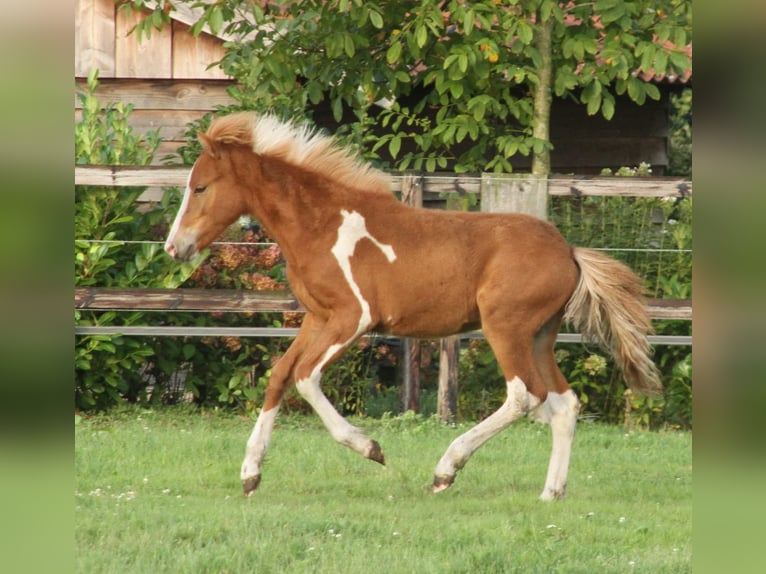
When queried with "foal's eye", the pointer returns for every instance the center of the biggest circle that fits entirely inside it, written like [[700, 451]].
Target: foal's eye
[[200, 188]]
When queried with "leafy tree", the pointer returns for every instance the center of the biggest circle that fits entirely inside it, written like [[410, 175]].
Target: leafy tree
[[465, 84]]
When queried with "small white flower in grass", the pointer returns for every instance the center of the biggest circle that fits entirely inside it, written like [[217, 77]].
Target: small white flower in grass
[[165, 491], [397, 534], [338, 535], [146, 480], [551, 526], [622, 519]]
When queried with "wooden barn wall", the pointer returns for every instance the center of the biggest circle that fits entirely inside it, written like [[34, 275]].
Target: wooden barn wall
[[165, 77], [164, 105], [103, 41]]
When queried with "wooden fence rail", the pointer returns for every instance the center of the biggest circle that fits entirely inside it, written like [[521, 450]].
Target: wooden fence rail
[[176, 176], [240, 301], [413, 188]]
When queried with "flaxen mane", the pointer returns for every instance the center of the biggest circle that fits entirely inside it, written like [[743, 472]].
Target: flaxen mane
[[300, 146]]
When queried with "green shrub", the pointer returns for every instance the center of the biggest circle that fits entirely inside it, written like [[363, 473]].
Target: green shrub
[[109, 368]]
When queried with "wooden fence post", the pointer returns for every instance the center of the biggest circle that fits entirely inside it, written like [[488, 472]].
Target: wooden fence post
[[512, 193], [409, 393], [449, 352]]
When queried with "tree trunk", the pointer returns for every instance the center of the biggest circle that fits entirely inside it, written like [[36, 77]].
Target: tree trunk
[[541, 162]]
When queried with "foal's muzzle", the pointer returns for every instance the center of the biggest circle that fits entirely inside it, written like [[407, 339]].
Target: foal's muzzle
[[182, 252]]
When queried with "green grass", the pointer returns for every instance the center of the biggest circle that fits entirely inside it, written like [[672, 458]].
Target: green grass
[[158, 491]]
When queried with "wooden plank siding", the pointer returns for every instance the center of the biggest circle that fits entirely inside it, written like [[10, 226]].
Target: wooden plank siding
[[151, 57], [103, 41], [165, 105], [94, 37]]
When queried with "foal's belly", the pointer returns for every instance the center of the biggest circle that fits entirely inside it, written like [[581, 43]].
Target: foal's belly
[[428, 322]]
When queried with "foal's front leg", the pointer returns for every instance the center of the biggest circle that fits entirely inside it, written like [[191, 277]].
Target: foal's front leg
[[279, 381], [327, 348]]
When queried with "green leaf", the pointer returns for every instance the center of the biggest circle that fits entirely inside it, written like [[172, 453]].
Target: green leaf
[[637, 90], [647, 57], [652, 91], [394, 145], [337, 109], [157, 19], [607, 106], [660, 62], [594, 103], [462, 62], [526, 34], [393, 53], [402, 77], [680, 61], [456, 89], [376, 19], [421, 35], [348, 45], [468, 22], [315, 92], [215, 20]]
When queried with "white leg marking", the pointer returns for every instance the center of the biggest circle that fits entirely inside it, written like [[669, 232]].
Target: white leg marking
[[340, 429], [560, 410], [352, 231], [169, 242], [258, 443], [517, 403]]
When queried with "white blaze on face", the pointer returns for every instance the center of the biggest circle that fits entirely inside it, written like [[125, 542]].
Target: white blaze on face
[[352, 231], [169, 242]]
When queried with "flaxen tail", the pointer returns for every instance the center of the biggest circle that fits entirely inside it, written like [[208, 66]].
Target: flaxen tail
[[608, 306]]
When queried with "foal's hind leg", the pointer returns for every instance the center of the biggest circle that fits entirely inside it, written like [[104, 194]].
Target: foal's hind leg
[[514, 354], [560, 409]]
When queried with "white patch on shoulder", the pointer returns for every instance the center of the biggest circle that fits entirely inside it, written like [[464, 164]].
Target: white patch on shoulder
[[352, 231]]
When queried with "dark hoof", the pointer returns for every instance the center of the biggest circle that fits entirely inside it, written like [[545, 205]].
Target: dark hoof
[[376, 453], [443, 482], [250, 484]]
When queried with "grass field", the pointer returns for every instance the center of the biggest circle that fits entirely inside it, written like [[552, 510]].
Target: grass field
[[158, 491]]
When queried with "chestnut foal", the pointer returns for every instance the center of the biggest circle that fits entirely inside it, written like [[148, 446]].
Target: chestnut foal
[[359, 260]]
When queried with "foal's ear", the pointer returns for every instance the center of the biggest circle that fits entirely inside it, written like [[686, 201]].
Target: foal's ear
[[208, 145]]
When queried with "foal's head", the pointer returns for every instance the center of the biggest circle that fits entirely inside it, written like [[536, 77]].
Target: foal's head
[[229, 178], [214, 198]]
